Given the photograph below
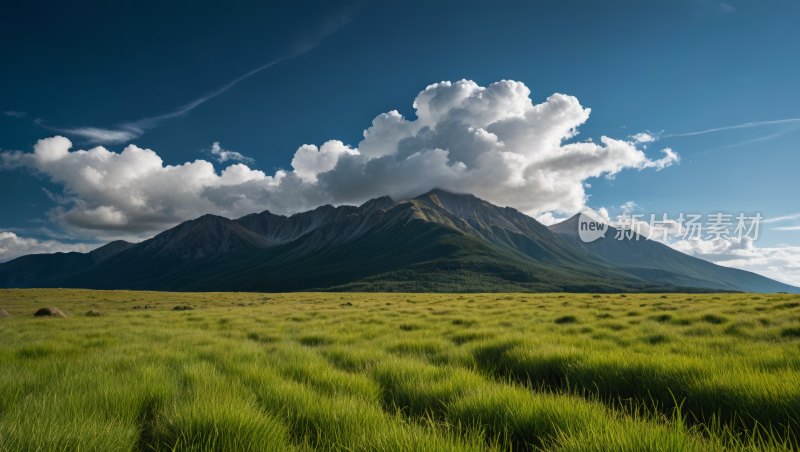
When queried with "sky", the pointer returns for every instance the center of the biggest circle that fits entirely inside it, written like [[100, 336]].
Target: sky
[[187, 108]]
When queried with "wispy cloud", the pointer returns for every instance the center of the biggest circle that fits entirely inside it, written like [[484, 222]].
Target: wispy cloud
[[96, 135], [755, 140], [128, 131], [784, 218], [787, 228], [726, 7], [740, 126], [16, 114], [223, 155], [629, 207]]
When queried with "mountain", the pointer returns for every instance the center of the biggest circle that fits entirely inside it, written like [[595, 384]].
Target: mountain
[[438, 241], [34, 269], [658, 263]]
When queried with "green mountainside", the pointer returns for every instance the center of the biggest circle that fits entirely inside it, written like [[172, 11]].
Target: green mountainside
[[438, 241]]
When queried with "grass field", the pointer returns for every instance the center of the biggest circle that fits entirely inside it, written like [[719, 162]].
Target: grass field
[[323, 371]]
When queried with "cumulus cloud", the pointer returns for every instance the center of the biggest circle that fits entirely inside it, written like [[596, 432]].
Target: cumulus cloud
[[309, 161], [643, 137], [779, 263], [12, 246], [223, 155], [493, 142]]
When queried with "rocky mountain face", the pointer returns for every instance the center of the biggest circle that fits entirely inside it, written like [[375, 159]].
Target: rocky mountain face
[[438, 241]]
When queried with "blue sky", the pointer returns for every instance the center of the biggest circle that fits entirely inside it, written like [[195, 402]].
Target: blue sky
[[668, 68]]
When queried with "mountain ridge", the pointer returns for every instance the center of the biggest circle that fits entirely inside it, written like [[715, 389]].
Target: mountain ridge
[[437, 241], [639, 256]]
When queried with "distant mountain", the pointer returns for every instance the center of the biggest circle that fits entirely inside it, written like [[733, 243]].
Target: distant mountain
[[34, 269], [438, 241], [655, 262]]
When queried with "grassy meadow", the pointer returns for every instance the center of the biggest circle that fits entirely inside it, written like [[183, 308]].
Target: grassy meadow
[[150, 371]]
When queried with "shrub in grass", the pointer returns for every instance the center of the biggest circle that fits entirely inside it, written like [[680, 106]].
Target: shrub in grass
[[462, 338], [353, 358], [614, 326], [93, 313], [410, 326], [566, 319], [663, 318], [737, 330], [657, 339], [263, 337], [714, 319], [50, 311], [313, 340], [420, 347], [791, 332]]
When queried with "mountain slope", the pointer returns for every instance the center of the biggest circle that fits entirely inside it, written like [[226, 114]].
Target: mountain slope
[[34, 269], [438, 241], [658, 263], [279, 229], [415, 244]]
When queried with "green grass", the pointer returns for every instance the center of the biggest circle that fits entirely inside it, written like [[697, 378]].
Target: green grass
[[386, 372]]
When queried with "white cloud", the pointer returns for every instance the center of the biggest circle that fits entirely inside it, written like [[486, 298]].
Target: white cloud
[[13, 246], [16, 114], [308, 161], [629, 207], [740, 126], [490, 141], [643, 138], [223, 155], [784, 218], [787, 228], [98, 135], [781, 264], [548, 219]]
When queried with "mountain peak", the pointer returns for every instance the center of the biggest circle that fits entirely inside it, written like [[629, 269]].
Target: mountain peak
[[374, 204], [109, 249], [442, 192], [567, 227]]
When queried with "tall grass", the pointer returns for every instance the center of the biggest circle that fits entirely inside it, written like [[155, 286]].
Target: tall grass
[[398, 372]]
